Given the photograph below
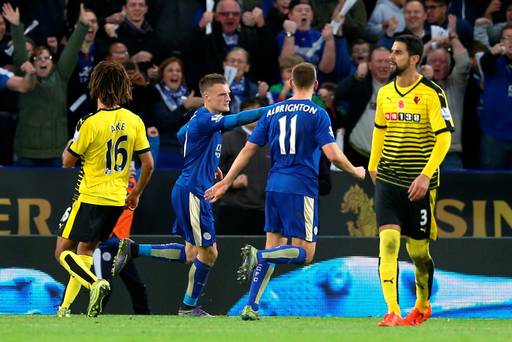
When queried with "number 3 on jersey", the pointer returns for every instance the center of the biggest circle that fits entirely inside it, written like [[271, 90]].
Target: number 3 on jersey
[[282, 134], [113, 153]]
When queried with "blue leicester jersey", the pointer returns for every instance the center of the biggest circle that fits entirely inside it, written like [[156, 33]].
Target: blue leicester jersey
[[295, 131], [201, 148]]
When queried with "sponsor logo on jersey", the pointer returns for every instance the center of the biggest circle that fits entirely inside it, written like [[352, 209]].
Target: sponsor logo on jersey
[[402, 116], [216, 118]]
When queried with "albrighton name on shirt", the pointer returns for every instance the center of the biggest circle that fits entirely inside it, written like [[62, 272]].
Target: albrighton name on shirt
[[292, 107]]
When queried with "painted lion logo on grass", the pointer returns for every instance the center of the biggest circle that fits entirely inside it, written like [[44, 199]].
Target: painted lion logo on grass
[[356, 201]]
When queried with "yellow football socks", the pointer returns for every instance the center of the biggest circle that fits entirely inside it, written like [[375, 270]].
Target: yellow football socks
[[76, 267], [388, 267], [424, 271]]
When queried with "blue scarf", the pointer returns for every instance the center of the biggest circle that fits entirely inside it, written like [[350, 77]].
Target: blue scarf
[[172, 98]]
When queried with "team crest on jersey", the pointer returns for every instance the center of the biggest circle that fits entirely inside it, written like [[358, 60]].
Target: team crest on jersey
[[417, 99], [207, 236], [401, 104]]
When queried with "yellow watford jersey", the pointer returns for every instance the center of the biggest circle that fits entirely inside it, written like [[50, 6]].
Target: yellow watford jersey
[[106, 142], [411, 117]]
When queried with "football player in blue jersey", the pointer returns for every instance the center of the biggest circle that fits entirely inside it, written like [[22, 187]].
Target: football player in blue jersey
[[295, 130], [201, 138]]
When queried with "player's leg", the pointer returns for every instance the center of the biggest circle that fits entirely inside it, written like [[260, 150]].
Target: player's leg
[[387, 199], [417, 244], [79, 267], [99, 288], [260, 277], [73, 286], [129, 249], [197, 278], [195, 222], [136, 288]]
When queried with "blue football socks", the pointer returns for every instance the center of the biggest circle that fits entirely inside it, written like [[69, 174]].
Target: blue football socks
[[283, 255], [169, 251], [197, 278], [260, 278]]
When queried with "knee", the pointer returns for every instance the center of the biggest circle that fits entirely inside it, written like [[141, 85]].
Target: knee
[[212, 255], [57, 254], [309, 258], [418, 251], [389, 243]]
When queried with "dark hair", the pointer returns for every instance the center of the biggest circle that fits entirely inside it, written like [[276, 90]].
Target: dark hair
[[168, 61], [209, 80], [110, 84], [294, 3], [330, 86], [414, 44], [504, 28], [304, 75], [38, 50], [377, 48], [253, 102]]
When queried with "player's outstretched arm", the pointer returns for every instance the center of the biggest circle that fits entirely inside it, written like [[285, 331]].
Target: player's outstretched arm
[[241, 161], [146, 170], [338, 158], [243, 118]]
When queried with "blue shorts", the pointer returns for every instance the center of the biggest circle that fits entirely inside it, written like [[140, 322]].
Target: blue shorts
[[194, 217], [292, 215]]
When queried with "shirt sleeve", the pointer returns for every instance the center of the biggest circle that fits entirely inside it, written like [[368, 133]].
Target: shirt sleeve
[[83, 137], [324, 134], [4, 77], [259, 135], [439, 114], [380, 118], [211, 123], [141, 140]]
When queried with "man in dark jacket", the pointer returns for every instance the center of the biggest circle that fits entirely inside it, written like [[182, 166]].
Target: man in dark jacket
[[358, 93]]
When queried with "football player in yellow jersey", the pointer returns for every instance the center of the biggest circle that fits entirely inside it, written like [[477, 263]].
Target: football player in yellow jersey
[[105, 142], [411, 137]]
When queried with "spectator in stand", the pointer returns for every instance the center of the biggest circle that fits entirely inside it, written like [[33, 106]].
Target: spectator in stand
[[327, 92], [359, 91], [415, 17], [79, 101], [227, 33], [495, 119], [136, 33], [242, 210], [241, 86], [277, 15], [282, 91], [489, 33], [454, 82], [143, 95], [437, 14], [118, 52], [355, 19], [41, 133], [171, 110], [469, 10], [387, 15], [298, 37]]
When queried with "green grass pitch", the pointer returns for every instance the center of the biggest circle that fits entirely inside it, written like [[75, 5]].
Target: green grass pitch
[[221, 328]]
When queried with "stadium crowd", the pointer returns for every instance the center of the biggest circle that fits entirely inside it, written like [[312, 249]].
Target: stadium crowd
[[167, 46]]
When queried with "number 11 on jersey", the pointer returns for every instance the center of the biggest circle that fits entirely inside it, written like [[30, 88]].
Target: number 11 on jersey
[[282, 134]]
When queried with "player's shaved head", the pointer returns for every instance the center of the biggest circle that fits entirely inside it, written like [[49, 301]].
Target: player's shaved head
[[304, 75], [209, 80], [110, 84]]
